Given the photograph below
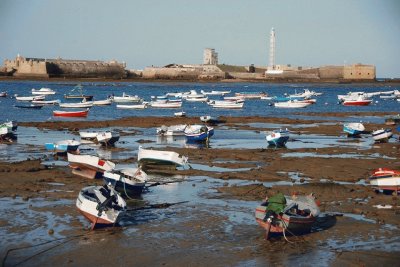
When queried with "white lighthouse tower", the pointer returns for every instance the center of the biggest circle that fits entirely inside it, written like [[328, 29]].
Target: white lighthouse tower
[[272, 49], [272, 69]]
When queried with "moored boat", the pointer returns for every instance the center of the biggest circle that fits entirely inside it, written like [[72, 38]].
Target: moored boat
[[292, 104], [78, 113], [83, 104], [172, 130], [125, 98], [278, 138], [31, 106], [101, 205], [104, 102], [43, 91], [359, 101], [3, 94], [78, 96], [353, 128], [30, 98], [251, 95], [135, 106], [46, 102]]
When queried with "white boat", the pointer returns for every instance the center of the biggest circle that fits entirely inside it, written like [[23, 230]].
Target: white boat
[[84, 104], [215, 92], [157, 157], [43, 91], [382, 135], [305, 94], [101, 205], [235, 98], [386, 179], [136, 106], [88, 134], [350, 96], [46, 102], [159, 104], [89, 162], [129, 182], [30, 98], [107, 138], [278, 137], [127, 98], [226, 104], [353, 128], [195, 97], [251, 95], [180, 114], [102, 102], [292, 104], [172, 130]]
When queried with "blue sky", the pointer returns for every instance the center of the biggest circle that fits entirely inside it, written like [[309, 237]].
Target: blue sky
[[158, 32]]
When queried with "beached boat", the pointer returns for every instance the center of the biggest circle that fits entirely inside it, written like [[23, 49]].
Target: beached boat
[[386, 180], [125, 98], [101, 205], [393, 120], [172, 130], [136, 106], [108, 138], [353, 128], [292, 104], [129, 182], [3, 94], [198, 133], [78, 113], [89, 166], [11, 125], [149, 157], [297, 217], [80, 95], [43, 91], [278, 137], [30, 98], [7, 131], [63, 146], [211, 120], [382, 135]]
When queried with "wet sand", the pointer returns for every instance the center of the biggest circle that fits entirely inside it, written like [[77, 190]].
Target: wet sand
[[337, 183]]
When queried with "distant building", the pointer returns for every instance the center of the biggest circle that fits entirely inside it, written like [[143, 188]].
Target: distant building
[[272, 68], [210, 57], [45, 68]]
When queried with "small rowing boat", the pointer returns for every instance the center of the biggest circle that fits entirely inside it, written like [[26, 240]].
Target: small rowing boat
[[79, 113]]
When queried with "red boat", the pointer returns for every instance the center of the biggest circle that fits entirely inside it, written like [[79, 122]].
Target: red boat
[[361, 101], [386, 179], [79, 113]]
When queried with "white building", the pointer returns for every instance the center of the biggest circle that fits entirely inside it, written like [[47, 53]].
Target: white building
[[210, 57]]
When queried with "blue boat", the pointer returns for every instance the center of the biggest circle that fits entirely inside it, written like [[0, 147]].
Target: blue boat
[[278, 138], [353, 128], [129, 182], [198, 133], [63, 146]]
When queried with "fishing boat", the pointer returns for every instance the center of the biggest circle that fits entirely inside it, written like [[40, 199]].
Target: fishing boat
[[251, 95], [195, 97], [108, 138], [127, 98], [278, 138], [31, 106], [297, 217], [215, 92], [382, 135], [101, 205], [292, 104], [225, 104], [104, 102], [167, 104], [353, 128], [83, 104], [3, 94], [78, 113], [198, 133], [30, 98], [46, 102], [305, 94], [63, 146], [43, 91], [173, 130], [129, 182], [89, 166], [359, 101], [150, 157], [385, 179], [136, 106], [78, 88]]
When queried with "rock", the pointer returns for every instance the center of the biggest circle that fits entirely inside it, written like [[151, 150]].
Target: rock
[[51, 231]]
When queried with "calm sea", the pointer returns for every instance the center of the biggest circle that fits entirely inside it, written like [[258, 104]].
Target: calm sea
[[325, 103]]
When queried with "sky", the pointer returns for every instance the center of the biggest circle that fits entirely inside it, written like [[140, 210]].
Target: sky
[[159, 32]]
